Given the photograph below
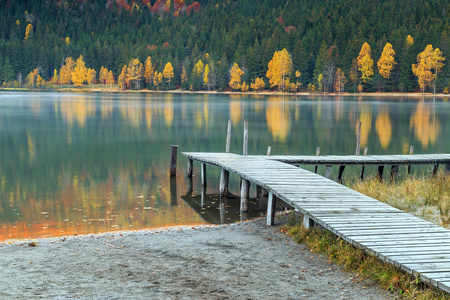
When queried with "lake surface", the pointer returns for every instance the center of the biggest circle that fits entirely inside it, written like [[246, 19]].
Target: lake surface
[[88, 163]]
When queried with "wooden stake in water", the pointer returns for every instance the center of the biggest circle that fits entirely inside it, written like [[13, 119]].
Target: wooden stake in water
[[363, 167], [317, 154], [358, 138], [271, 209], [224, 174], [244, 195], [269, 149], [245, 137], [173, 160], [411, 151]]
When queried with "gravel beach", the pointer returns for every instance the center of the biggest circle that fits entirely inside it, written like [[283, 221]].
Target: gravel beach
[[247, 260]]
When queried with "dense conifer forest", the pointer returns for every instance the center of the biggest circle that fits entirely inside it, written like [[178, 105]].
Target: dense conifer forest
[[322, 38]]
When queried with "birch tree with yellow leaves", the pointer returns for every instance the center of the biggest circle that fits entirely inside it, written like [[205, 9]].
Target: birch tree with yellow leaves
[[91, 75], [429, 64], [365, 62], [279, 68], [149, 71]]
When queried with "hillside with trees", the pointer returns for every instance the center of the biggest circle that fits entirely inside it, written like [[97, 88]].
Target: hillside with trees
[[330, 46]]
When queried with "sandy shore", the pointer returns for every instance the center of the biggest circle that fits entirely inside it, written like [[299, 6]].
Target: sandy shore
[[241, 261]]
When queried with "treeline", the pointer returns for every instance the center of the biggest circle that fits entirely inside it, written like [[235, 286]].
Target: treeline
[[323, 39]]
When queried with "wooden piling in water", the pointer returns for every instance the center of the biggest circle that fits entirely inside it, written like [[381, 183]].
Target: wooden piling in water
[[269, 149], [380, 172], [411, 151], [224, 174], [203, 173], [328, 171], [363, 167], [173, 191], [245, 187], [340, 171], [271, 202], [435, 169], [189, 167], [358, 138], [317, 154], [245, 150], [394, 171], [173, 160]]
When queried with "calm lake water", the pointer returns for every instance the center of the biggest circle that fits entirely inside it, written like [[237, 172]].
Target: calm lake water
[[88, 163]]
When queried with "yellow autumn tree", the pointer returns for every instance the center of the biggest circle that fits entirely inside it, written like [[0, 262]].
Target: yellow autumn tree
[[279, 68], [429, 64], [79, 74], [55, 77], [386, 62], [365, 62], [149, 71], [91, 75], [244, 87], [236, 77], [258, 85], [65, 73], [122, 81], [206, 76], [28, 31], [168, 72], [297, 75], [134, 74], [184, 78], [110, 79], [103, 76]]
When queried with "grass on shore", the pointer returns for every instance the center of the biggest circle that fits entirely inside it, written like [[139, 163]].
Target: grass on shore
[[411, 195]]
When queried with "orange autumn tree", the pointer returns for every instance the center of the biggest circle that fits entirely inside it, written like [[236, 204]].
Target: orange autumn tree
[[279, 68], [365, 62], [429, 64], [236, 77]]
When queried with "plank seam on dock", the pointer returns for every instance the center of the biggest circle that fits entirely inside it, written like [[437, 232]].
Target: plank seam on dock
[[350, 221]]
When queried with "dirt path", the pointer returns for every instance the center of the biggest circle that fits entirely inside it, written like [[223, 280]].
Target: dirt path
[[240, 261]]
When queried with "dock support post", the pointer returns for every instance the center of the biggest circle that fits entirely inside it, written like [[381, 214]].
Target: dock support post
[[340, 171], [380, 172], [307, 222], [173, 191], [435, 169], [317, 154], [358, 138], [363, 167], [224, 174], [203, 173], [244, 194], [271, 201], [447, 168], [411, 151], [189, 185], [394, 171], [173, 160], [328, 171], [269, 149], [189, 167]]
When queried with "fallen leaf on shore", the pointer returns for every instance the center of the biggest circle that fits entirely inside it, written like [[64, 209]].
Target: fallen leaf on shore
[[32, 244]]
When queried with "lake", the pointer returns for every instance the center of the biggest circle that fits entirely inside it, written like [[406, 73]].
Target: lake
[[88, 163]]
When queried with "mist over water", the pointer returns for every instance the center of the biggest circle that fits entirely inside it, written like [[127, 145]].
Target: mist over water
[[88, 163]]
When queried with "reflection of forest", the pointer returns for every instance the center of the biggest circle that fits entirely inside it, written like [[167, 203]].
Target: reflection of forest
[[90, 163]]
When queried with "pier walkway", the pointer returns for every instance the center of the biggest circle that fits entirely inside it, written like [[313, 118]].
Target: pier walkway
[[408, 242]]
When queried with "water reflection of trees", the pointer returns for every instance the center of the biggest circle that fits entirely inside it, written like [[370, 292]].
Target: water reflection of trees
[[383, 127], [425, 124], [278, 118]]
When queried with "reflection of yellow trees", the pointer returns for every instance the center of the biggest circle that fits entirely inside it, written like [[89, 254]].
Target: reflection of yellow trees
[[235, 112], [168, 110], [132, 113], [426, 127], [366, 125], [31, 148], [77, 110], [106, 109], [84, 205], [202, 116], [257, 106], [278, 119], [384, 129]]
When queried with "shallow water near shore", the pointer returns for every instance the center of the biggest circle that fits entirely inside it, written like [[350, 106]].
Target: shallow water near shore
[[88, 163]]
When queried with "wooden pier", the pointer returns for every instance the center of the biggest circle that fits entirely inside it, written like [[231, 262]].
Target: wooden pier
[[408, 242]]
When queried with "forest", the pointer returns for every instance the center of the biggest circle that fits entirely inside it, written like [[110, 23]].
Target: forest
[[326, 46]]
